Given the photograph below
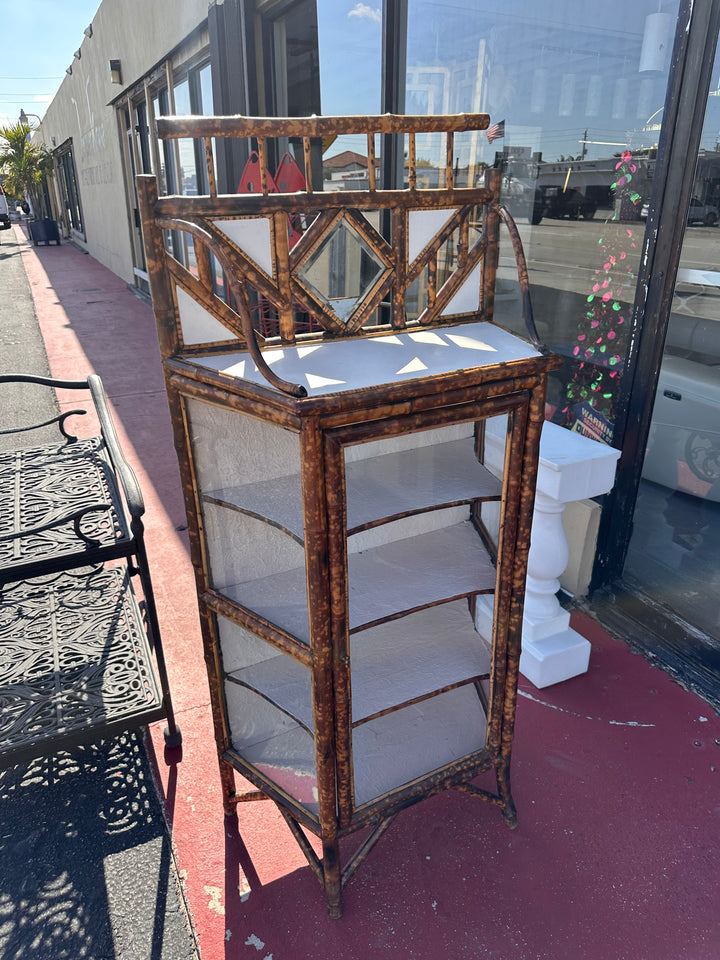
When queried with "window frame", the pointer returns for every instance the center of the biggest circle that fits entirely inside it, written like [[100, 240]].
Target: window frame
[[67, 181]]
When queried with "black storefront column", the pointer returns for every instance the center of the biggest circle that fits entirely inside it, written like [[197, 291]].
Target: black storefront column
[[230, 25], [394, 57]]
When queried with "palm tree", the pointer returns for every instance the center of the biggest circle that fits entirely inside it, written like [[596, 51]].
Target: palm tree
[[23, 163]]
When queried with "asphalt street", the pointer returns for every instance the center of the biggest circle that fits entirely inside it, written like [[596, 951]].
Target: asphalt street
[[86, 864]]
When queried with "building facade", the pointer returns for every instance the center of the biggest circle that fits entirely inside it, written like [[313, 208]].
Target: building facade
[[606, 130]]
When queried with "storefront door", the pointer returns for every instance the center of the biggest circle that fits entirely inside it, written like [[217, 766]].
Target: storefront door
[[674, 553]]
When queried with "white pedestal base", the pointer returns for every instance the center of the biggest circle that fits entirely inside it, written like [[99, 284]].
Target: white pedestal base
[[571, 467], [545, 660], [555, 658]]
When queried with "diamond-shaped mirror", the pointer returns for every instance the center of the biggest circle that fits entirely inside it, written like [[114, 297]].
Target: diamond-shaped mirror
[[342, 270]]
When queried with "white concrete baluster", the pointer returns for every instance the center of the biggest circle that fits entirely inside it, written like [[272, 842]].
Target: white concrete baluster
[[548, 559], [572, 467]]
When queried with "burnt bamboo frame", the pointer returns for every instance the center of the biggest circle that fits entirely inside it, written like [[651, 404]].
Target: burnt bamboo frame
[[326, 425]]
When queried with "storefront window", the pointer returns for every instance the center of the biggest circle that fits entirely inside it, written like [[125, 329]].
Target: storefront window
[[205, 94], [143, 137], [67, 182], [183, 167], [575, 99], [187, 182], [350, 43]]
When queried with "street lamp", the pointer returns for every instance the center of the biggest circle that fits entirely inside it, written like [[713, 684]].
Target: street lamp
[[24, 117]]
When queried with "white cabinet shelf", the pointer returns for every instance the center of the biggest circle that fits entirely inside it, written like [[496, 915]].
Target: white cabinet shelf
[[422, 478], [383, 582], [277, 502], [378, 488], [392, 665], [283, 682], [410, 658]]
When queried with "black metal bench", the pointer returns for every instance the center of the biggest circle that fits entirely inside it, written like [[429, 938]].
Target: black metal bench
[[80, 653]]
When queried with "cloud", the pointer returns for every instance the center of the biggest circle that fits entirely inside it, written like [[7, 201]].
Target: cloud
[[366, 12]]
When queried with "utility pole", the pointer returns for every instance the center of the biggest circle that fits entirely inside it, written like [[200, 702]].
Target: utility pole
[[584, 149]]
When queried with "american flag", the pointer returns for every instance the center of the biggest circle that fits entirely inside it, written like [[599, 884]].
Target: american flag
[[496, 131]]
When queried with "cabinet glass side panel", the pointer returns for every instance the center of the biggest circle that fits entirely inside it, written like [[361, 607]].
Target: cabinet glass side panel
[[494, 458], [408, 744], [246, 463], [257, 566], [269, 711], [248, 478]]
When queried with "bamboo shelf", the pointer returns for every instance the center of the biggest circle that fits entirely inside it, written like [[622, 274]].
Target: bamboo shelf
[[341, 518]]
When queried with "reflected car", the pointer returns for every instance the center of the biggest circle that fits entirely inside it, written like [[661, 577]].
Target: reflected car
[[684, 443], [698, 212], [556, 203]]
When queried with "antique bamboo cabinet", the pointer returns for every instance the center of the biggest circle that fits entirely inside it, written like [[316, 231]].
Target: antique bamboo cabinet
[[330, 360]]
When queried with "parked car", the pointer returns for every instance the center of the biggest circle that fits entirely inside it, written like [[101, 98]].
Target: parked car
[[556, 203], [4, 211], [699, 212]]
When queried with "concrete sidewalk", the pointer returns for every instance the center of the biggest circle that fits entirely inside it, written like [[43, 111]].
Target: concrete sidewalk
[[615, 773], [86, 863]]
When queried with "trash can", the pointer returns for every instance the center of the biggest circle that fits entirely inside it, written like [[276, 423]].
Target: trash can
[[44, 231]]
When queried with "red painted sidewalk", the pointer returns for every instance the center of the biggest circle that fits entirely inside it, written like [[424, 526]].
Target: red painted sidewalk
[[615, 774]]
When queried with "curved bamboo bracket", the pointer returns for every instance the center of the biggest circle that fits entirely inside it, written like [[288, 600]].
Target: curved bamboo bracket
[[198, 233], [522, 270]]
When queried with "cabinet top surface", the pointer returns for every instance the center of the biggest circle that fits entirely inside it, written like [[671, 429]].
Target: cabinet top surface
[[337, 366]]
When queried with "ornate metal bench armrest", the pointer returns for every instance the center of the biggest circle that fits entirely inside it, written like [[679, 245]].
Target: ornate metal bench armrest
[[46, 382], [124, 471], [59, 420]]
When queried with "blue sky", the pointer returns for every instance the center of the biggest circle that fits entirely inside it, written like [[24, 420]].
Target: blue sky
[[38, 41]]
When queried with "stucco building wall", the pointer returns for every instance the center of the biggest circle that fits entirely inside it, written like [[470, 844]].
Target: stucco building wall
[[140, 35]]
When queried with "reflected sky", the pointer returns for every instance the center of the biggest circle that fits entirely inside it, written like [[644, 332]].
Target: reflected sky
[[559, 73]]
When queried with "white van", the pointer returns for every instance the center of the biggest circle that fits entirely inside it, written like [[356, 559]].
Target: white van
[[4, 212]]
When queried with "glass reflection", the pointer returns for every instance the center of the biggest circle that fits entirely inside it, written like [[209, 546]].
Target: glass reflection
[[342, 271], [575, 105]]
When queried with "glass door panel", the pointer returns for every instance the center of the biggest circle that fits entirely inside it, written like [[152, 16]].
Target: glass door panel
[[674, 554]]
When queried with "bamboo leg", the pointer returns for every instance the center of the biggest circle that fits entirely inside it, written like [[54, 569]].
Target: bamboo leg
[[331, 877], [509, 812], [227, 782]]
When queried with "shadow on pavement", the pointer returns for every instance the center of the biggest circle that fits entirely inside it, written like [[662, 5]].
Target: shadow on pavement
[[64, 892]]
